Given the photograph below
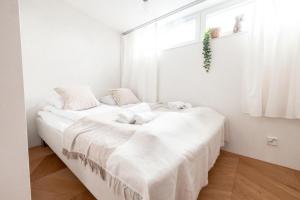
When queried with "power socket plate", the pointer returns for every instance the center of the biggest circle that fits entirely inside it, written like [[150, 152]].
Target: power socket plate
[[272, 141]]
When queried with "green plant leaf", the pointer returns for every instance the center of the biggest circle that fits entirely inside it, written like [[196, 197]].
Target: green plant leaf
[[206, 50]]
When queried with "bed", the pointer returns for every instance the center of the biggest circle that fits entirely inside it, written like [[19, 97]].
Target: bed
[[52, 124]]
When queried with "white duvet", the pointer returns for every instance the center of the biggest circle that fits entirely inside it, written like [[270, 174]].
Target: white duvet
[[166, 159], [73, 115]]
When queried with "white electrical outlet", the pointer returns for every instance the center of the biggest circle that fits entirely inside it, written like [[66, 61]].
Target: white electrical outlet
[[272, 141]]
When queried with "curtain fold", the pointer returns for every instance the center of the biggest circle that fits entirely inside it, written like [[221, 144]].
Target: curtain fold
[[272, 74], [140, 63]]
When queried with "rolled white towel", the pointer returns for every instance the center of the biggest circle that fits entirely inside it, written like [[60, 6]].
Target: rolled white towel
[[187, 105], [126, 117], [179, 105], [144, 117]]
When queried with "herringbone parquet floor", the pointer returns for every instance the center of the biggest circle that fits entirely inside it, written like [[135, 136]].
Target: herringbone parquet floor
[[232, 178]]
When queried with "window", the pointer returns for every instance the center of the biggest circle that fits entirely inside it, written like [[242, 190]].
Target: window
[[178, 32], [185, 30], [225, 18]]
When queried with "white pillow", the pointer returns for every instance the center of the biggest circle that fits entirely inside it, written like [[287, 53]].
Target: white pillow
[[77, 98], [124, 96], [109, 100]]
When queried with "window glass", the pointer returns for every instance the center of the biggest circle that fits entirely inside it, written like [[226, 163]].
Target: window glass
[[225, 19], [177, 32]]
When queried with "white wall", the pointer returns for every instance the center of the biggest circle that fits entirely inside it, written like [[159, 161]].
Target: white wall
[[183, 78], [62, 46], [14, 173]]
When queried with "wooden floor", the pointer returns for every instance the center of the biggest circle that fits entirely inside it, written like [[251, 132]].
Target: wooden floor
[[232, 178]]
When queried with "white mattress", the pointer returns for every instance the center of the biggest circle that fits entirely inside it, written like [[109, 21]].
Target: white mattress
[[51, 125]]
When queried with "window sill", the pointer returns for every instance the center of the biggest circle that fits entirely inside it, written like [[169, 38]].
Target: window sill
[[228, 35]]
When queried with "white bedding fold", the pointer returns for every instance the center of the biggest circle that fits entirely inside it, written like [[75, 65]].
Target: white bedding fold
[[126, 117], [179, 105], [167, 158], [145, 117]]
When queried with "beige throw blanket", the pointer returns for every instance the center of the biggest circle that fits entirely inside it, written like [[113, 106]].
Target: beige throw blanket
[[166, 159]]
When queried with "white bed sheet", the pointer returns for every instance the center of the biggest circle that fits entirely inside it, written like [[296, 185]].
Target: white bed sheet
[[55, 121]]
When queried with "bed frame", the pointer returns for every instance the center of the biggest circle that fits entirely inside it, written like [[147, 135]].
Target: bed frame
[[53, 138]]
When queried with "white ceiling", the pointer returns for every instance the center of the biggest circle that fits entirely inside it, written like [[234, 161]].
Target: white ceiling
[[123, 15]]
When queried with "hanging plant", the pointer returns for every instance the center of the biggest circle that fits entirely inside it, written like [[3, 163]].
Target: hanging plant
[[206, 51]]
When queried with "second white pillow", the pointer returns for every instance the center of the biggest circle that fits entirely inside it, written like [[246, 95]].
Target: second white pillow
[[108, 99], [124, 96]]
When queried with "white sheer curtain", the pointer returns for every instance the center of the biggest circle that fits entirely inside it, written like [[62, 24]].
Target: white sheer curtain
[[272, 75], [139, 62]]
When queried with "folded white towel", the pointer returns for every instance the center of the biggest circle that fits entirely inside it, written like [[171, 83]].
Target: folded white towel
[[126, 117], [144, 117], [137, 114], [179, 105]]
